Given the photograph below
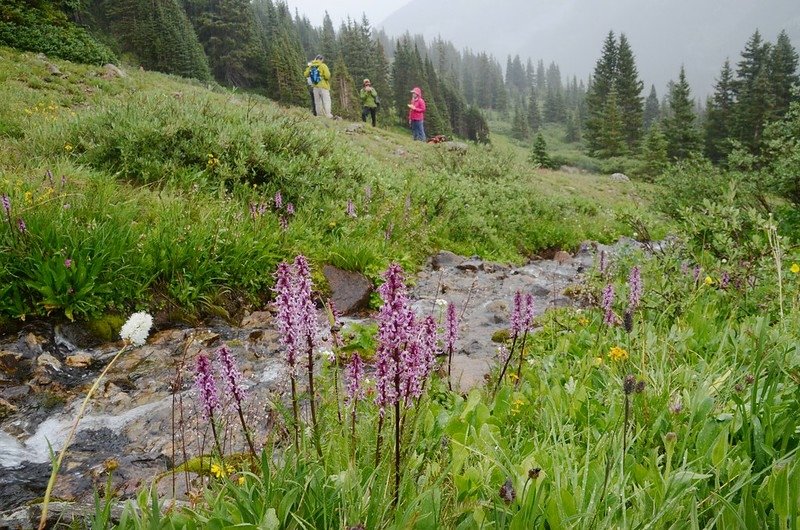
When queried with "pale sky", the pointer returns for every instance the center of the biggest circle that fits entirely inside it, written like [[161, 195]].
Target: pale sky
[[376, 10]]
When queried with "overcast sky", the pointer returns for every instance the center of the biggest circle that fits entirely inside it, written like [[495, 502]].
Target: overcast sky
[[376, 10]]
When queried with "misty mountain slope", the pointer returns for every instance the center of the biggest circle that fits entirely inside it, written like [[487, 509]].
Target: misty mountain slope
[[664, 35]]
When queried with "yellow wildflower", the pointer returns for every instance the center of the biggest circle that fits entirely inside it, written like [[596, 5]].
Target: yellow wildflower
[[583, 321], [709, 280], [513, 376], [795, 268], [598, 361], [220, 471], [241, 481], [618, 354], [28, 197], [68, 147]]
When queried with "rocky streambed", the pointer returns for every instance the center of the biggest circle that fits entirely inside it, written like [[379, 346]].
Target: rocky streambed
[[142, 417]]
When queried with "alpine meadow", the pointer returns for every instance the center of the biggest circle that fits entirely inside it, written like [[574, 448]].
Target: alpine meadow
[[431, 273]]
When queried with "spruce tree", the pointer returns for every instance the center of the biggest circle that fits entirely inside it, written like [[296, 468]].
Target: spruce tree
[[573, 132], [158, 34], [519, 124], [652, 109], [783, 61], [344, 97], [602, 84], [629, 93], [227, 29], [327, 39], [753, 101], [683, 139], [611, 137], [541, 77], [719, 115], [654, 152], [539, 156], [476, 127], [534, 115]]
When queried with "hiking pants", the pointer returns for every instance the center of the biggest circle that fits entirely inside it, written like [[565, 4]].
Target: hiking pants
[[368, 111], [418, 130], [322, 102]]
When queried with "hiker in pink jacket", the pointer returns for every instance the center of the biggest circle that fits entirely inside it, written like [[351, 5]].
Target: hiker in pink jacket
[[416, 114]]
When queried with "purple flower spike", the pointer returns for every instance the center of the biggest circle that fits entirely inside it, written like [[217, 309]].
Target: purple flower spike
[[278, 200], [21, 225], [725, 281], [450, 328], [603, 262], [206, 387], [68, 263], [351, 209], [306, 310], [355, 378], [395, 331], [607, 304], [635, 288], [527, 313], [288, 314], [283, 223], [231, 373], [517, 314], [6, 203], [289, 208]]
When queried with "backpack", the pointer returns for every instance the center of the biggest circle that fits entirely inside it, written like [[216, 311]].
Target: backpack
[[315, 75]]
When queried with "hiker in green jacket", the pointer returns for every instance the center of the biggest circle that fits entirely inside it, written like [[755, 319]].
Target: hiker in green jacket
[[369, 101], [320, 77]]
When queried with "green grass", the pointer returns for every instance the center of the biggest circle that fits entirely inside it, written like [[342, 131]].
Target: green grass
[[161, 172]]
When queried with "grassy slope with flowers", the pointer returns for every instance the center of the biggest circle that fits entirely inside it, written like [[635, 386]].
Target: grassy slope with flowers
[[687, 419], [153, 191]]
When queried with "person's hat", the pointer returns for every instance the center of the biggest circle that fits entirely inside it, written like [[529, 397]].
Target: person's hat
[[366, 82]]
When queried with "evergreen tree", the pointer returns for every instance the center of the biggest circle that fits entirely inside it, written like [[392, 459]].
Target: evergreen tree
[[611, 138], [541, 77], [380, 76], [573, 133], [539, 156], [534, 115], [344, 97], [327, 40], [309, 35], [437, 118], [602, 84], [629, 93], [753, 92], [652, 109], [783, 61], [477, 129], [719, 116], [555, 109], [227, 29], [158, 33], [683, 138], [654, 152], [519, 125]]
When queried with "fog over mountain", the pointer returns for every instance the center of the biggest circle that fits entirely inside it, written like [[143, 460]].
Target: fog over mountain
[[663, 33]]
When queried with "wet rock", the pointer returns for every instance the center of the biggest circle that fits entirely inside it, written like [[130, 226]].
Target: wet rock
[[15, 393], [77, 335], [350, 290], [257, 319], [562, 257], [35, 342], [445, 259], [46, 360], [6, 409], [207, 338], [472, 264], [81, 360], [9, 362]]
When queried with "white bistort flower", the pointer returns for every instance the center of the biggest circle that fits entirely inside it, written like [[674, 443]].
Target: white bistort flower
[[137, 328]]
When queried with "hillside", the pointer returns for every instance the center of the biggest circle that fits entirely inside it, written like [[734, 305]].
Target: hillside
[[149, 160], [664, 35]]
